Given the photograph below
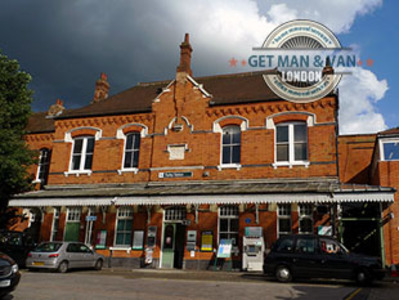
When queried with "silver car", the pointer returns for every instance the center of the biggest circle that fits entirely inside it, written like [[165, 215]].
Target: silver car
[[63, 256]]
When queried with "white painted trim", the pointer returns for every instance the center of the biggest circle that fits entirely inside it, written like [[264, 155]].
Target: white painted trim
[[199, 86], [218, 129], [381, 143], [291, 147], [116, 227], [310, 121], [229, 166], [122, 136], [68, 135], [55, 209], [164, 90]]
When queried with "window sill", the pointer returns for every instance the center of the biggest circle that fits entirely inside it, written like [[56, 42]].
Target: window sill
[[121, 248], [291, 164], [229, 166], [132, 170], [78, 173], [36, 181]]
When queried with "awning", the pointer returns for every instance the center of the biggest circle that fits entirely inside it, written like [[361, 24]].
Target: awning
[[208, 199]]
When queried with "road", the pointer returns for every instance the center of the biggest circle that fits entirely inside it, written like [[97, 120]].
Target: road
[[90, 285]]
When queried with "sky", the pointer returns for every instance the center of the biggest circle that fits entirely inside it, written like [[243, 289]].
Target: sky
[[66, 44]]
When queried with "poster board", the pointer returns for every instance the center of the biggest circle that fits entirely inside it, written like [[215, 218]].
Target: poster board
[[224, 250], [101, 239], [138, 240], [207, 241]]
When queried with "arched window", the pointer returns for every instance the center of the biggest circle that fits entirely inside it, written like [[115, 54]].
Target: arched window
[[82, 153], [231, 145], [132, 150], [43, 166]]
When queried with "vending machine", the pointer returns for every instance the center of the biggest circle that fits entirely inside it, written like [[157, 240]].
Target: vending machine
[[253, 249]]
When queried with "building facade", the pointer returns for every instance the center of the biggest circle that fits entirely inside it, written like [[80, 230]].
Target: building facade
[[158, 175]]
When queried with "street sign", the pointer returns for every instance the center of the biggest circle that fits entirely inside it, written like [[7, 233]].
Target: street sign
[[91, 218]]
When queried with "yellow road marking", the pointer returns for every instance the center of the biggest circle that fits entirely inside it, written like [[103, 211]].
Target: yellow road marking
[[353, 294]]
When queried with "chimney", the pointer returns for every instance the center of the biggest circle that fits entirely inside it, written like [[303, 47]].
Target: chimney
[[185, 56], [56, 109], [102, 88]]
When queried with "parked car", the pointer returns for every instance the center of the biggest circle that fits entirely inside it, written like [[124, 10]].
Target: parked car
[[16, 245], [312, 256], [9, 275], [63, 256]]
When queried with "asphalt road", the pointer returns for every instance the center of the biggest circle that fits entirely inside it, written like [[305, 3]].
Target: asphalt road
[[88, 285]]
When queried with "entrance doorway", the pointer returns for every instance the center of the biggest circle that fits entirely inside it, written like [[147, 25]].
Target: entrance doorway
[[174, 238], [72, 227]]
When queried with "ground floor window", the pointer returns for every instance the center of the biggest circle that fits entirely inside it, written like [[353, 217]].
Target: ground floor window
[[305, 212], [228, 223], [124, 224], [284, 223], [56, 224]]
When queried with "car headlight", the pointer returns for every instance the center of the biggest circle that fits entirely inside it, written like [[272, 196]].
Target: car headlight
[[14, 268]]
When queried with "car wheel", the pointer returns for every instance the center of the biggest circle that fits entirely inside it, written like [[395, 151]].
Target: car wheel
[[99, 265], [363, 277], [63, 267], [283, 274]]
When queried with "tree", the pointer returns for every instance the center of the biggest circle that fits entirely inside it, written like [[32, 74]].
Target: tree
[[15, 108]]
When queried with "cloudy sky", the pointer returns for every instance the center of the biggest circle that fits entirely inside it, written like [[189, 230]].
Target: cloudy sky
[[65, 45]]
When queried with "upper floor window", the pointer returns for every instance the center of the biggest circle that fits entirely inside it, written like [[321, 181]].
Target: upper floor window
[[231, 145], [132, 149], [291, 143], [43, 166], [390, 149], [82, 153]]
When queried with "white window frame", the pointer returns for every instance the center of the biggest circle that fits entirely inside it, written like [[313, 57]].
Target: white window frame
[[89, 227], [55, 229], [83, 154], [283, 216], [74, 214], [132, 169], [303, 213], [230, 216], [123, 213], [40, 165], [175, 214], [291, 146], [387, 141], [230, 165]]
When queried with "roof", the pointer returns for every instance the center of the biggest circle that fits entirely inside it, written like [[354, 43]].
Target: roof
[[225, 89], [38, 123], [392, 131]]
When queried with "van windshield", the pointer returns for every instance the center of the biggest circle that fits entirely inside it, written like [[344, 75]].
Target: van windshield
[[48, 247]]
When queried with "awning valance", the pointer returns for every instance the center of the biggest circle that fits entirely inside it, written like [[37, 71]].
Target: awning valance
[[208, 199]]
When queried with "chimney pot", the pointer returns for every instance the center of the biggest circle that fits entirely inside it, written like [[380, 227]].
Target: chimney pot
[[56, 109], [102, 88]]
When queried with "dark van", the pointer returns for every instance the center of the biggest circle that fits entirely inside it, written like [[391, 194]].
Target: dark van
[[313, 256], [17, 245]]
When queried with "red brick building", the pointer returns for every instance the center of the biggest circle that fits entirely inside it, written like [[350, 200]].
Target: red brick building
[[158, 174]]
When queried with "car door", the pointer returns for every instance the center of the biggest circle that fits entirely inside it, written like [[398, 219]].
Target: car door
[[88, 259], [335, 260], [74, 256], [306, 259]]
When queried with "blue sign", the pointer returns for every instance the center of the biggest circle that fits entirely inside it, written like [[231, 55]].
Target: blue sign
[[248, 221], [91, 218]]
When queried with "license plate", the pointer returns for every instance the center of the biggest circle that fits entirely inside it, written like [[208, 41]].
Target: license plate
[[38, 263], [5, 283]]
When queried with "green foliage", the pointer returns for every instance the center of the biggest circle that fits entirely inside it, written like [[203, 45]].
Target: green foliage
[[15, 108]]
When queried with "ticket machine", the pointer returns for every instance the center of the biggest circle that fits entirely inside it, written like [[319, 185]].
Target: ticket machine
[[253, 249]]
